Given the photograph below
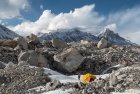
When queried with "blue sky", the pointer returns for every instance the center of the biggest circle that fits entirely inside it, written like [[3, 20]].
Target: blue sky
[[34, 16], [36, 7], [104, 7]]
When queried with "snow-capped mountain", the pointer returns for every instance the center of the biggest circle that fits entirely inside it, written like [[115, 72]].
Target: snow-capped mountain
[[5, 33], [68, 35], [113, 37]]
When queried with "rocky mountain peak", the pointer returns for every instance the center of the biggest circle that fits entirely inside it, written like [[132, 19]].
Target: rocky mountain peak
[[113, 37]]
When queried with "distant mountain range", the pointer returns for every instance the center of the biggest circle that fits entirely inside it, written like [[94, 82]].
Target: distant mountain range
[[75, 34], [70, 35], [5, 33]]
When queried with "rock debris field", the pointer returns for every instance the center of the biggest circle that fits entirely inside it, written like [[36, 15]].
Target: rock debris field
[[23, 62]]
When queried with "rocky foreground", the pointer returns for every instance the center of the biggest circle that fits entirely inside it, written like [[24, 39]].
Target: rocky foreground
[[22, 63]]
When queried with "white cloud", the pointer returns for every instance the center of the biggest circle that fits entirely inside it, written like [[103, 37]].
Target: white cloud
[[128, 23], [134, 37], [41, 7], [81, 17], [112, 27], [12, 8], [41, 25], [125, 22]]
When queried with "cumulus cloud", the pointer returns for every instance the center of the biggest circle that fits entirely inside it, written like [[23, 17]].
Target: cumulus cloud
[[11, 8], [125, 22], [84, 17], [134, 37]]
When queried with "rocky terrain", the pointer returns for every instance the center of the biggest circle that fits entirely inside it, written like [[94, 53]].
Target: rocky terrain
[[27, 63]]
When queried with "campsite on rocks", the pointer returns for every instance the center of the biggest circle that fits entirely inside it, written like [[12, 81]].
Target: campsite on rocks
[[29, 65], [69, 46]]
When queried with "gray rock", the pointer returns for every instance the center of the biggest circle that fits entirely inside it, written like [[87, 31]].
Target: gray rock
[[2, 80], [33, 38], [57, 43], [42, 61], [23, 56], [119, 88], [22, 63], [120, 77], [102, 43], [18, 48], [52, 85], [47, 43], [20, 79], [85, 42], [33, 58], [2, 65], [70, 59], [10, 65], [22, 42], [113, 80]]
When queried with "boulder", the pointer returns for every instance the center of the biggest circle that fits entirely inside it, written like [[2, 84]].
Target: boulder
[[2, 80], [9, 43], [42, 61], [57, 43], [52, 85], [47, 43], [10, 65], [33, 42], [23, 63], [2, 65], [84, 42], [113, 79], [18, 48], [69, 60], [33, 39], [102, 43], [22, 42], [33, 58]]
